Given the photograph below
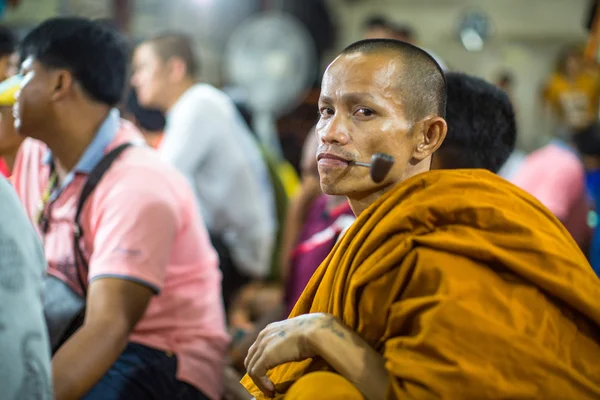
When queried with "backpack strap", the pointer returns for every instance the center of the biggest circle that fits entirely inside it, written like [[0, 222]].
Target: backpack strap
[[92, 181]]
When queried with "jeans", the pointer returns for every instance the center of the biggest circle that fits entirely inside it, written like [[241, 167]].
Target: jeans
[[143, 373]]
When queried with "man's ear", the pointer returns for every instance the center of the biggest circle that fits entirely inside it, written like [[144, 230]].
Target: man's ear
[[177, 69], [62, 82], [429, 135]]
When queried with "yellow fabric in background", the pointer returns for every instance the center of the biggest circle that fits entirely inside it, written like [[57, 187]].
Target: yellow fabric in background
[[8, 89], [468, 287], [289, 177]]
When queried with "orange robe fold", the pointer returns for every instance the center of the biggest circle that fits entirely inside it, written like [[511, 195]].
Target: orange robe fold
[[468, 287]]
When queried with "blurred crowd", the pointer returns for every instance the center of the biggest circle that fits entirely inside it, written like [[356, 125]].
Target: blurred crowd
[[211, 236]]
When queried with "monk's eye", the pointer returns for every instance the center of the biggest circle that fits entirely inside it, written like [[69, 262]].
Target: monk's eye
[[364, 112], [325, 112]]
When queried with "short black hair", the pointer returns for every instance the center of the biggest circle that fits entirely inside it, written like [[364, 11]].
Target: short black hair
[[148, 118], [587, 140], [423, 81], [170, 45], [376, 21], [482, 131], [8, 42], [95, 54]]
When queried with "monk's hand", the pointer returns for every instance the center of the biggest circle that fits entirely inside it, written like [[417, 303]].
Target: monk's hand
[[280, 343]]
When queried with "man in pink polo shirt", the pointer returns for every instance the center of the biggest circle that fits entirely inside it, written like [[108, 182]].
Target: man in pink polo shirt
[[154, 322]]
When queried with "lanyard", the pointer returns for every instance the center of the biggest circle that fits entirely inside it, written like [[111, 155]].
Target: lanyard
[[42, 219]]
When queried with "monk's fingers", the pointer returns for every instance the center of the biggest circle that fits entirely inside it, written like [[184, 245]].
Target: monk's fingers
[[258, 372], [262, 340], [251, 353], [259, 350]]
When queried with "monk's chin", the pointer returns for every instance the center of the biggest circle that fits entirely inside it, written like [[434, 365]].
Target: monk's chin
[[333, 189]]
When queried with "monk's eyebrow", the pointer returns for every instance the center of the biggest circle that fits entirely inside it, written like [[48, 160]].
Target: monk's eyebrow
[[353, 97], [325, 99], [357, 97]]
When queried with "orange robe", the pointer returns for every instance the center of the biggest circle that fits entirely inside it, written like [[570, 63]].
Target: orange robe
[[468, 287]]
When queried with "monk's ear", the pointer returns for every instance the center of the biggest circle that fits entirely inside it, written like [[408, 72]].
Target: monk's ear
[[429, 135]]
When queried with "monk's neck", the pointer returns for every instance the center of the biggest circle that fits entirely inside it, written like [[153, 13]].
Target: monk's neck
[[358, 205]]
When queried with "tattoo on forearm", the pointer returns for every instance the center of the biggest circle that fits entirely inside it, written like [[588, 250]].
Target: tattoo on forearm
[[330, 324]]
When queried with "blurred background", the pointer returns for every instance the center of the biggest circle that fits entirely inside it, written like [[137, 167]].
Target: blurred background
[[518, 40]]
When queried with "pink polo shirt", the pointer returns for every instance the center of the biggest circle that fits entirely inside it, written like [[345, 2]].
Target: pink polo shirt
[[141, 223], [555, 176]]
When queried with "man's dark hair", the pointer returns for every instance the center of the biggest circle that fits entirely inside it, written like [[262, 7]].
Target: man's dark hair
[[8, 42], [170, 45], [376, 21], [95, 54], [422, 81], [482, 130], [587, 140]]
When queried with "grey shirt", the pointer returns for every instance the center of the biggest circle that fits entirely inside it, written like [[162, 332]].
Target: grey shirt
[[208, 141], [24, 347]]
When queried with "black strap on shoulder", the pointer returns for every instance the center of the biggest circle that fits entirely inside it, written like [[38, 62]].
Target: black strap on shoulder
[[93, 179]]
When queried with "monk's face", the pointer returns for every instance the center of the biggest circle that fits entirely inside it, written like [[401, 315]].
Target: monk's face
[[362, 112]]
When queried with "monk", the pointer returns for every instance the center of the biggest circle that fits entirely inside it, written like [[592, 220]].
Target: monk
[[451, 284]]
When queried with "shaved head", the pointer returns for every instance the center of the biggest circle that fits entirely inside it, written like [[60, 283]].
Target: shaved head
[[175, 45], [421, 81]]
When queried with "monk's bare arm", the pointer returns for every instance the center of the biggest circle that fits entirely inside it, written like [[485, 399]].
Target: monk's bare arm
[[350, 356], [317, 335]]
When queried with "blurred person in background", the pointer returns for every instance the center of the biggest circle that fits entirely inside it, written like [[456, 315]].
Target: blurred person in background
[[24, 351], [379, 27], [9, 139], [481, 125], [587, 141], [555, 175], [572, 93], [506, 82], [131, 265], [149, 121], [207, 140]]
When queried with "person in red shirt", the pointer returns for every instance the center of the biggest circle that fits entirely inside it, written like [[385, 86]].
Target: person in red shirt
[[9, 139]]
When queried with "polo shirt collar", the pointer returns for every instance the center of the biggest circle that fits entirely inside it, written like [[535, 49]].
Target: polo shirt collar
[[96, 149]]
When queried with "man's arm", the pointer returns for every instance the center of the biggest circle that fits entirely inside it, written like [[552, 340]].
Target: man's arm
[[133, 228], [114, 306], [351, 357], [318, 335]]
